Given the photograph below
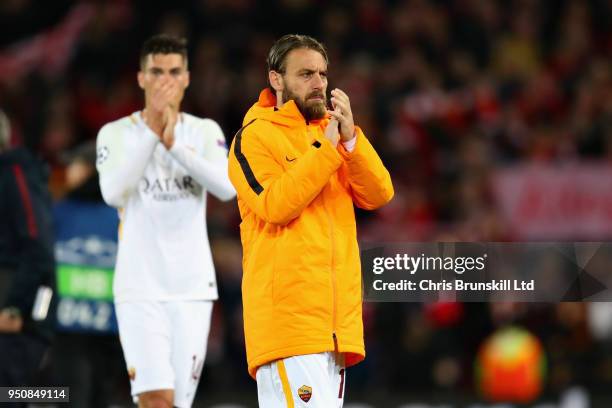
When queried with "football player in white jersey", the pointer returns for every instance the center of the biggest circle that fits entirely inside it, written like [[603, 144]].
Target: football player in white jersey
[[156, 167]]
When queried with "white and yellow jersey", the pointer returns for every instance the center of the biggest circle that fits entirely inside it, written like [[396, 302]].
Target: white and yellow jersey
[[164, 253]]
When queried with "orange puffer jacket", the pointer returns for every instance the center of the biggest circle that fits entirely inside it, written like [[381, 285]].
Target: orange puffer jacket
[[301, 287]]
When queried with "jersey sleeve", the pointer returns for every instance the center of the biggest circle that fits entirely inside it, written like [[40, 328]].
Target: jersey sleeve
[[210, 168], [370, 182], [123, 153]]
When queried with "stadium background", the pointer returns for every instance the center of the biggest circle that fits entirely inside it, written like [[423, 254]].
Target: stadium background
[[485, 113]]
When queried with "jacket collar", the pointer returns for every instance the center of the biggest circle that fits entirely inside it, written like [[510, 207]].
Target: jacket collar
[[287, 115]]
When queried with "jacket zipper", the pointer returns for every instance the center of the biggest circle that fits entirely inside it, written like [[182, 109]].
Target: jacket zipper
[[334, 289], [333, 273]]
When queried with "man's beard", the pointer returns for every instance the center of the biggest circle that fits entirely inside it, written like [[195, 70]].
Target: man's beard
[[310, 109]]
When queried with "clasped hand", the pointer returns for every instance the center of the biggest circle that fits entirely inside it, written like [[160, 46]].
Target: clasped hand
[[162, 113], [341, 125]]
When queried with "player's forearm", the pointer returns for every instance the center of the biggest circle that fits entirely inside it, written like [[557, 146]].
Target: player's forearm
[[279, 196], [369, 179], [117, 185], [121, 176], [210, 175]]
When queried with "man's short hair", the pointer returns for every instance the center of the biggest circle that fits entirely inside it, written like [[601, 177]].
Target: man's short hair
[[277, 57], [5, 131], [163, 44]]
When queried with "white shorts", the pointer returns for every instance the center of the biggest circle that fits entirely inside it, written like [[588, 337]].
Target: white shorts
[[164, 345], [309, 381]]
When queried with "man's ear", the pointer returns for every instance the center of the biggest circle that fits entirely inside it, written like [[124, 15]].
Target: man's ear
[[276, 81], [140, 77]]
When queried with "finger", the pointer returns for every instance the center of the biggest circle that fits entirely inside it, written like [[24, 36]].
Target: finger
[[161, 85], [341, 94], [157, 85], [339, 99], [172, 96], [342, 106], [167, 95], [174, 88], [337, 116], [338, 102], [169, 115], [165, 88], [169, 86], [173, 114], [160, 99]]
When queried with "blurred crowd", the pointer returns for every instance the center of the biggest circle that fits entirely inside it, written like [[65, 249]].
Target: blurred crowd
[[448, 92]]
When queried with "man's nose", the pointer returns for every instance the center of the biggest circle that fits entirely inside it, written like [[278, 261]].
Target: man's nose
[[317, 81]]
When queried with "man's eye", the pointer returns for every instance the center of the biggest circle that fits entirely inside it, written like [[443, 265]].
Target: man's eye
[[307, 75]]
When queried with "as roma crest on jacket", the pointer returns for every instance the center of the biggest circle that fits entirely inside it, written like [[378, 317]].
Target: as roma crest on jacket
[[305, 393]]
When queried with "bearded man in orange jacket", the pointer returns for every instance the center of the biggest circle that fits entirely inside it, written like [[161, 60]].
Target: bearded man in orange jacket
[[298, 169]]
